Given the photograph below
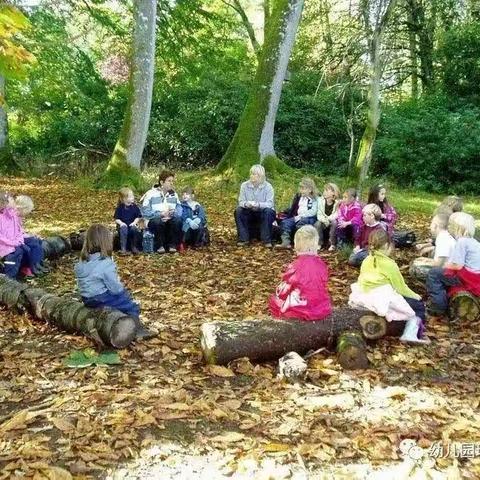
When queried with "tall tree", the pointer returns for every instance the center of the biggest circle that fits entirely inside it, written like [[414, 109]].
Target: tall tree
[[253, 139], [127, 155], [375, 14]]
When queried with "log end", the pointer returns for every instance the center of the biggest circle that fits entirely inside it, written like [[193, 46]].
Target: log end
[[122, 333], [465, 307], [352, 351], [373, 326], [208, 340]]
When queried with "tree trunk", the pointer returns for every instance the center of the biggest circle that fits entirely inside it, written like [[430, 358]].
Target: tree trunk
[[364, 155], [426, 32], [253, 139], [129, 148], [263, 340], [106, 327], [412, 41], [6, 159]]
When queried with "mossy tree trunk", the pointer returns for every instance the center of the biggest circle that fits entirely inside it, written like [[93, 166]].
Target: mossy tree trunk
[[127, 155], [6, 159], [253, 139], [376, 14]]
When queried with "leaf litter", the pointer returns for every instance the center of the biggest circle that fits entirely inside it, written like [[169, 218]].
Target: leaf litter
[[163, 413]]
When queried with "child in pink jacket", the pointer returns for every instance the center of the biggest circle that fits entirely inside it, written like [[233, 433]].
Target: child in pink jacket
[[303, 292], [12, 245], [349, 220]]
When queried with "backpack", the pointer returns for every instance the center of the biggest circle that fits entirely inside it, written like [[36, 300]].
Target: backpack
[[404, 238]]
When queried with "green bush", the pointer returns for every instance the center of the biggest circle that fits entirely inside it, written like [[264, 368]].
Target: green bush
[[430, 144]]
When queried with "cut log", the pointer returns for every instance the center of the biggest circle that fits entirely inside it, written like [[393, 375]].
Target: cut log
[[352, 351], [105, 326], [373, 326], [464, 306], [263, 340], [419, 268], [55, 247]]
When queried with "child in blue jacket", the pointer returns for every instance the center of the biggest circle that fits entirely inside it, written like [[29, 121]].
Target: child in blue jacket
[[194, 220]]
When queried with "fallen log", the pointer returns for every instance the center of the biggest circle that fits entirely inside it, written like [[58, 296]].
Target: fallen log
[[464, 306], [352, 351], [263, 340], [105, 326], [55, 247]]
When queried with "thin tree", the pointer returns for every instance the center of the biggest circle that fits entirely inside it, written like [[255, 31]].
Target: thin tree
[[253, 139], [375, 14]]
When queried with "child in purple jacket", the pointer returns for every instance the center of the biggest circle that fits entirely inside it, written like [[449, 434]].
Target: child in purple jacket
[[349, 220], [378, 196]]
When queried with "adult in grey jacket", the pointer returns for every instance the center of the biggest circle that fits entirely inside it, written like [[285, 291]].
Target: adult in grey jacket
[[255, 210]]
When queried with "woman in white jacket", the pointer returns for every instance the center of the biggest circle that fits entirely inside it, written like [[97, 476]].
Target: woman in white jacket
[[328, 204]]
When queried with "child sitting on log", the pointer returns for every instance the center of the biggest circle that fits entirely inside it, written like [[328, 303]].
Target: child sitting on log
[[449, 205], [97, 277], [24, 206], [444, 245], [371, 222], [381, 288], [349, 219], [303, 293], [127, 215], [462, 270], [378, 196], [194, 220], [13, 252]]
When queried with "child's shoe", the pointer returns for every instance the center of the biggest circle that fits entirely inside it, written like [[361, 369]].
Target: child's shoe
[[172, 250], [161, 250], [135, 251], [142, 333], [410, 333], [123, 252], [332, 248], [286, 243]]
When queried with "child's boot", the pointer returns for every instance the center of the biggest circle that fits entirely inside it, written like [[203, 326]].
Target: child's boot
[[285, 241], [410, 333], [142, 332]]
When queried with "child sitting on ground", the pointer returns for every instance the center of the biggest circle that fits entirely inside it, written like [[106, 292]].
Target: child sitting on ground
[[327, 213], [449, 205], [303, 211], [194, 220], [12, 245], [462, 268], [381, 288], [303, 293], [371, 222], [348, 221], [97, 277], [24, 206], [127, 215], [378, 196]]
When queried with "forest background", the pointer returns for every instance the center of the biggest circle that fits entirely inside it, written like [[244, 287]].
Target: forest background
[[65, 113]]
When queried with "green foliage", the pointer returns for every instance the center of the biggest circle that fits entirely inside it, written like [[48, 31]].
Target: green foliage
[[459, 54], [88, 356], [430, 144]]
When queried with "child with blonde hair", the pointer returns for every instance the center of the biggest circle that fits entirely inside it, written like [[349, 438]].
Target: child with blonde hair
[[127, 215], [381, 288], [303, 292], [371, 215], [327, 212], [348, 221], [302, 211], [25, 206], [98, 280], [462, 270]]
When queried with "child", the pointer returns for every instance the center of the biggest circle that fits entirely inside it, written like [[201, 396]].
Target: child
[[97, 277], [327, 212], [161, 207], [194, 219], [303, 211], [378, 196], [462, 268], [303, 292], [348, 221], [371, 222], [12, 246], [449, 205], [127, 215], [381, 288], [24, 206]]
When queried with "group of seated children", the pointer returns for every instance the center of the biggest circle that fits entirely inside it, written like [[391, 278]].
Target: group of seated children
[[339, 221], [20, 252], [171, 222]]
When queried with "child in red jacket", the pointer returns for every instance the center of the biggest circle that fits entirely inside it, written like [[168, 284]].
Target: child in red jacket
[[303, 294]]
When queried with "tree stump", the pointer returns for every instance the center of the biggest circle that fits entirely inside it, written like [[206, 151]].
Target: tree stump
[[352, 351], [105, 326], [464, 306], [263, 340]]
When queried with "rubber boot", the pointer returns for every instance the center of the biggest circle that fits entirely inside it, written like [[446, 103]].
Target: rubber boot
[[410, 333], [142, 332]]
